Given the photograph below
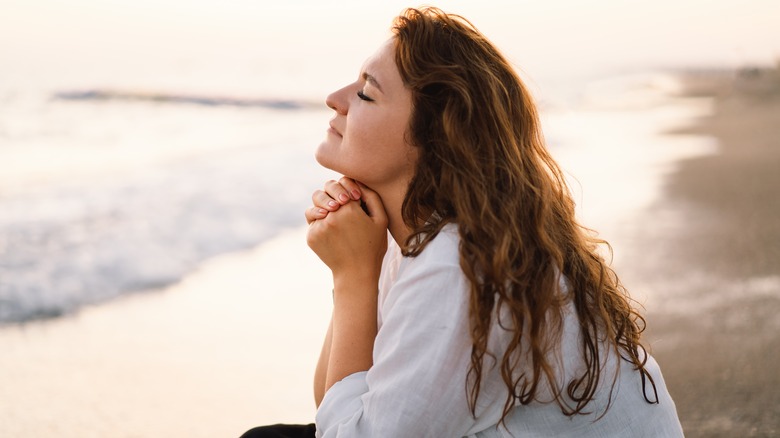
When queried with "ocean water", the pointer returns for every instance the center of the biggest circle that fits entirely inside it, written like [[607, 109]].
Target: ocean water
[[106, 193], [101, 198]]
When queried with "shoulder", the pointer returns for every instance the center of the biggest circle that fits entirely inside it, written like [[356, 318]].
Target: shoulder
[[443, 249], [434, 276]]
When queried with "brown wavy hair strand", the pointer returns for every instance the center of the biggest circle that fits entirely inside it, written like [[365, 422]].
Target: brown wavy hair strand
[[483, 165]]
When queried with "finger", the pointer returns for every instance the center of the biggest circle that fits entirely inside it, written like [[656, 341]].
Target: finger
[[314, 213], [323, 200], [373, 203], [351, 186], [336, 191]]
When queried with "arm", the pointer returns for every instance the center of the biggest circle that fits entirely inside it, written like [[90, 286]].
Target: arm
[[322, 366], [325, 201], [352, 242], [354, 327], [351, 355]]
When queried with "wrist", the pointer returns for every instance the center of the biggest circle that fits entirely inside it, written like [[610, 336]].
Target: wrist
[[355, 282], [355, 295]]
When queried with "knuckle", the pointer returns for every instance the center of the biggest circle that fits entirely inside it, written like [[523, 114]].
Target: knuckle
[[322, 199]]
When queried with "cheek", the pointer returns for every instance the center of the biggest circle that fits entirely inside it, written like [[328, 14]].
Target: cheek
[[360, 130], [380, 133]]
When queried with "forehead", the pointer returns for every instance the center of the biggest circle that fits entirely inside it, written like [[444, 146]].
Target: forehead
[[381, 65]]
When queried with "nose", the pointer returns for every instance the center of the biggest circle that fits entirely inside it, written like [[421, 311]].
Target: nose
[[338, 101]]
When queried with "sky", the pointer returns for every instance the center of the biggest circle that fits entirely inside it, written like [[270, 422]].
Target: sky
[[307, 45]]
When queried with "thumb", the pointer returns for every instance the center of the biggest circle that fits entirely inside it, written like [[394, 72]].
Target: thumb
[[374, 206]]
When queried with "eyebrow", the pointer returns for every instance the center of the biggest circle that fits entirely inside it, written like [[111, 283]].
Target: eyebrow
[[372, 80]]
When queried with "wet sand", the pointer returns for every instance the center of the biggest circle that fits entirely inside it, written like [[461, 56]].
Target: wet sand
[[712, 251], [230, 347]]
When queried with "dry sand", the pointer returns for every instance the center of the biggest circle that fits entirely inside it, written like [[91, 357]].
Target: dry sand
[[713, 249]]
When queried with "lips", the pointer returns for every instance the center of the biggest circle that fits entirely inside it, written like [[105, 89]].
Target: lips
[[333, 130]]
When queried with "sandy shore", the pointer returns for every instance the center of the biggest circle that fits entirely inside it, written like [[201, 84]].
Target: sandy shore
[[230, 347], [712, 249]]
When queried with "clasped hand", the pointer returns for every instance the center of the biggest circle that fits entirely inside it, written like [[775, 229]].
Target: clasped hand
[[350, 238]]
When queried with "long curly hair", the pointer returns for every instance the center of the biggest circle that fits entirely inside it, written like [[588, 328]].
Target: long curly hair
[[483, 165]]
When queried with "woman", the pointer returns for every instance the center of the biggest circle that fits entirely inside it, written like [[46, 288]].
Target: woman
[[487, 310]]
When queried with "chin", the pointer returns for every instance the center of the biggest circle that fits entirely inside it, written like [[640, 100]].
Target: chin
[[325, 159]]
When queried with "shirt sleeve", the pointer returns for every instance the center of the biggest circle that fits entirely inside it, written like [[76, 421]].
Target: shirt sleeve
[[417, 384]]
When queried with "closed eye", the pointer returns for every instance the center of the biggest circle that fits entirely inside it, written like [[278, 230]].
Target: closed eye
[[364, 97]]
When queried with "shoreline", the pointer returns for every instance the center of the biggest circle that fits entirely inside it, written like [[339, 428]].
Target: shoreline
[[716, 260]]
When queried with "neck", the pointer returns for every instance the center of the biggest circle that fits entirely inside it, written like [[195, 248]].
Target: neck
[[393, 199]]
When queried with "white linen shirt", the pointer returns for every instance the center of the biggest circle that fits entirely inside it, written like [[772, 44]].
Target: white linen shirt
[[422, 354]]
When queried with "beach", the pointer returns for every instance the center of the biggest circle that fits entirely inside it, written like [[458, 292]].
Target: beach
[[211, 356], [716, 333], [156, 159], [233, 344]]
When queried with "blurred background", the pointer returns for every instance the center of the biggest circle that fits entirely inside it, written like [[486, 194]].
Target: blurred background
[[156, 158]]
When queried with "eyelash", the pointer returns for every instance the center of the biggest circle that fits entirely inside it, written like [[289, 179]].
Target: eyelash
[[364, 97]]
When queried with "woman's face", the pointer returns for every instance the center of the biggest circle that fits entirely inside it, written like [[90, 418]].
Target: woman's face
[[366, 138]]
